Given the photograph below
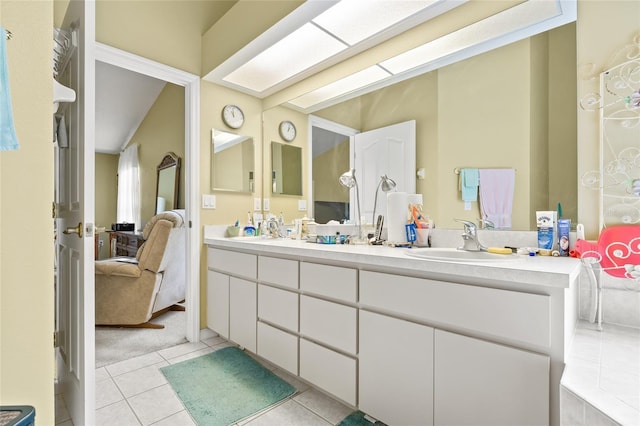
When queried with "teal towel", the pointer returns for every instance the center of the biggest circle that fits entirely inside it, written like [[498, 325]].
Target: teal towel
[[469, 181], [8, 138]]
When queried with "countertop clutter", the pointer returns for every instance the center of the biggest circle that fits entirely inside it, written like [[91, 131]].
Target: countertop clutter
[[539, 270]]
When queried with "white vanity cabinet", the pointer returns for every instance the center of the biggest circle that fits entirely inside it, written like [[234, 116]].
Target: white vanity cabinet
[[395, 370], [278, 312], [329, 328], [482, 383], [403, 340], [232, 296], [465, 380]]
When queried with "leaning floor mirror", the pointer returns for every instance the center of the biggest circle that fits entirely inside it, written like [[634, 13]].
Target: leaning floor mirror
[[167, 183]]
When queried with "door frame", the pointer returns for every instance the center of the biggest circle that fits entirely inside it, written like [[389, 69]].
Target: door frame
[[191, 84]]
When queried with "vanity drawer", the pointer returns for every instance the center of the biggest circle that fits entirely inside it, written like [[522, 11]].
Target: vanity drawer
[[279, 307], [508, 314], [330, 281], [329, 370], [239, 264], [329, 323], [282, 272], [278, 347]]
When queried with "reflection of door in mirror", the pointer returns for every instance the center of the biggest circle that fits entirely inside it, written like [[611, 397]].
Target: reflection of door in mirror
[[286, 169], [167, 183], [232, 162], [330, 152]]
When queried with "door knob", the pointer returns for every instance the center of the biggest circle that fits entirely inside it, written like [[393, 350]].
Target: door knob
[[76, 230]]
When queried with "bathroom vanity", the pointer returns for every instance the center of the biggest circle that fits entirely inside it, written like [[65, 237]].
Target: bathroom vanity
[[406, 340]]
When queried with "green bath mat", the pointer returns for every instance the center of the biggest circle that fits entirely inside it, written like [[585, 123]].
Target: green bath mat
[[225, 386], [357, 419]]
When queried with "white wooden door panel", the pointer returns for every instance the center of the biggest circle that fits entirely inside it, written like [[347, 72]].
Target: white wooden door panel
[[218, 303], [482, 383], [76, 201], [395, 380], [243, 312], [388, 150]]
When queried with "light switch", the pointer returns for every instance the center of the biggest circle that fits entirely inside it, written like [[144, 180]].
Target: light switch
[[266, 204], [302, 205], [208, 201], [257, 204]]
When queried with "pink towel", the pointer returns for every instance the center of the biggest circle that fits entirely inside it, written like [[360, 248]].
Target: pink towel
[[496, 196]]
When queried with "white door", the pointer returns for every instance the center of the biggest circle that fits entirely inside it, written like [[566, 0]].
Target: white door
[[388, 150], [75, 233]]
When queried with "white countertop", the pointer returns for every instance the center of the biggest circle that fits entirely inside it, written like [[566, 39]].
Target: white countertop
[[538, 271], [603, 368]]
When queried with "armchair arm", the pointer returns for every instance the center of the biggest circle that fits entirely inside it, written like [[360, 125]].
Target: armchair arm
[[121, 269]]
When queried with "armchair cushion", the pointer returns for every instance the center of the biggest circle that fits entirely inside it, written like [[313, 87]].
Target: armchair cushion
[[121, 269]]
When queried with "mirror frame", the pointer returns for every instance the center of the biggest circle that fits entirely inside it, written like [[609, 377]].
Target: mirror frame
[[170, 159]]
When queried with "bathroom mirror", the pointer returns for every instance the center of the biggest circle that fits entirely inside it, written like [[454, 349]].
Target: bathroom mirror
[[167, 183], [522, 95], [232, 162], [286, 169]]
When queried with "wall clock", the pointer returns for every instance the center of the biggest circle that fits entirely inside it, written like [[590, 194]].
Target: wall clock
[[287, 130], [232, 116]]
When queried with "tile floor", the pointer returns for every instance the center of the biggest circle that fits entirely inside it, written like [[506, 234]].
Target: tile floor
[[135, 392]]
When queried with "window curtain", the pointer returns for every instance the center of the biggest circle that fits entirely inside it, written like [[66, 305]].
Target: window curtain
[[128, 209]]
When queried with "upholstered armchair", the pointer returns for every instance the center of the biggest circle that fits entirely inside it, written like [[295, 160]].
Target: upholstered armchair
[[130, 293]]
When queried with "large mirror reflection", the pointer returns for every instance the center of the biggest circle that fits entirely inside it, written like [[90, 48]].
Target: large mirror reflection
[[232, 162], [286, 169], [167, 183], [512, 107]]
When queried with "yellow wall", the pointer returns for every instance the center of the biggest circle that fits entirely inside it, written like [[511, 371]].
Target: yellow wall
[[26, 225], [327, 168], [287, 204], [106, 197], [161, 131]]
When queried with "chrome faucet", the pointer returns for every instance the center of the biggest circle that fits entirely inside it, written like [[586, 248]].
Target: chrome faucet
[[470, 240], [273, 227]]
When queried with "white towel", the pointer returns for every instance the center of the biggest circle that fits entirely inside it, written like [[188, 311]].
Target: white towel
[[496, 196]]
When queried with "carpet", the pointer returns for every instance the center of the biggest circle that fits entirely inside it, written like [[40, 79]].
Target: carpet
[[119, 344], [225, 386]]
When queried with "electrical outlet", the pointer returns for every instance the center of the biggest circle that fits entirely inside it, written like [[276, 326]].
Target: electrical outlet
[[266, 204], [257, 204]]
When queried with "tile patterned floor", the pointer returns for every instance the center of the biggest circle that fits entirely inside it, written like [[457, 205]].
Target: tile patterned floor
[[135, 392]]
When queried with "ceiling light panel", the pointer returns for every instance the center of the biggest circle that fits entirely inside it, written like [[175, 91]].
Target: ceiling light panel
[[353, 21], [300, 50], [347, 84]]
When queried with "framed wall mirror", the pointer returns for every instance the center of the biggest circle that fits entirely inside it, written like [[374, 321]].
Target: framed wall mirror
[[286, 169], [167, 183], [232, 162]]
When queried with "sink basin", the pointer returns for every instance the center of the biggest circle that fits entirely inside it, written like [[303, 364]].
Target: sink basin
[[455, 255]]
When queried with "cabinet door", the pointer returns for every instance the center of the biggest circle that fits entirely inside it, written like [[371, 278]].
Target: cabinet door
[[243, 313], [482, 383], [396, 370], [218, 303], [329, 370]]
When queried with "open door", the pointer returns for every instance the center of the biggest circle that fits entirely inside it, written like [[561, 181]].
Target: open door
[[74, 222], [388, 150]]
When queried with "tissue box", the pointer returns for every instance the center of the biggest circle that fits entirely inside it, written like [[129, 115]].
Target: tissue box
[[331, 230]]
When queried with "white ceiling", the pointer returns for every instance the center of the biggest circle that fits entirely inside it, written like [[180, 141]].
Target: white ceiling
[[123, 99]]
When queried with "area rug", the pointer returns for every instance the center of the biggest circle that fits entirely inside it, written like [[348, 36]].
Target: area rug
[[225, 386], [118, 344], [357, 419]]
